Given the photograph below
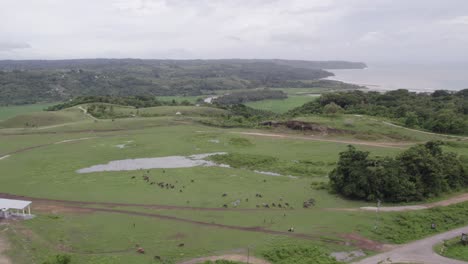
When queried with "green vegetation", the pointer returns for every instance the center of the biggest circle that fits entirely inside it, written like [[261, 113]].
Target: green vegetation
[[423, 171], [134, 101], [298, 255], [39, 119], [250, 96], [269, 164], [403, 227], [281, 106], [211, 210], [7, 112], [27, 82], [441, 111], [453, 248]]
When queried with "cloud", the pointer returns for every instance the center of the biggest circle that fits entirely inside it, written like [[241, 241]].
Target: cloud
[[460, 20], [295, 29], [9, 46]]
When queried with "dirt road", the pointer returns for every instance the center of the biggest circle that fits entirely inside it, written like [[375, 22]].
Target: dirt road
[[454, 200], [4, 246], [348, 142], [418, 252]]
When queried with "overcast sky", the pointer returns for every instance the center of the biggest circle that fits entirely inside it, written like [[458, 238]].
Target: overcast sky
[[360, 30]]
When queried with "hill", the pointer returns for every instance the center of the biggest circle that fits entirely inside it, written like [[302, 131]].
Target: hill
[[26, 82]]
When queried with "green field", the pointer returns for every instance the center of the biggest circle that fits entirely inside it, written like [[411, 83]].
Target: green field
[[282, 106], [11, 111], [211, 210]]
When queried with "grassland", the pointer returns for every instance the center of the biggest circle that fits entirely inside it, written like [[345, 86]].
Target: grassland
[[281, 106], [11, 111], [123, 211], [453, 248]]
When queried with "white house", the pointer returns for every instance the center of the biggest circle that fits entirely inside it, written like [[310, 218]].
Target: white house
[[9, 207]]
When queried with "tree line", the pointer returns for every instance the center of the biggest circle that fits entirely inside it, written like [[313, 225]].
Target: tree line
[[440, 111], [135, 101]]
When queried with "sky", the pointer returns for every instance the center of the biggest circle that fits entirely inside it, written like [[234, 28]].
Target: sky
[[357, 30]]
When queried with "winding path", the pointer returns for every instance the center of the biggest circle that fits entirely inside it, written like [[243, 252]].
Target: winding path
[[420, 251]]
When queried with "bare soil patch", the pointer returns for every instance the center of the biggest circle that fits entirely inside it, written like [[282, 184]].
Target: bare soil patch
[[4, 246]]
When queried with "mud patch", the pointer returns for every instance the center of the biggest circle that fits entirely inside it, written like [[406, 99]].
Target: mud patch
[[58, 209], [363, 243], [348, 256], [307, 126], [170, 162]]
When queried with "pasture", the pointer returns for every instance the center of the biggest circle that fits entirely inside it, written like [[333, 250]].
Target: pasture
[[177, 214]]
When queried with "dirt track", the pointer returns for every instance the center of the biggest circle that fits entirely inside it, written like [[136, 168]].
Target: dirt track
[[4, 246], [454, 200], [417, 252], [349, 142]]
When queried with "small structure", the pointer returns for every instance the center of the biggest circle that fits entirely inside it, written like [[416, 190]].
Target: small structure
[[464, 239], [15, 208]]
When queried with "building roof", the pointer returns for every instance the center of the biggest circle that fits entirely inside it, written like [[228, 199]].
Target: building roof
[[14, 204]]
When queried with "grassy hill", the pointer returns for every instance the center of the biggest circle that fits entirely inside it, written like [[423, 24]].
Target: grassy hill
[[40, 119]]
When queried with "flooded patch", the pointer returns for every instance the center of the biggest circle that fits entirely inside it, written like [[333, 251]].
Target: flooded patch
[[4, 157], [170, 162], [274, 174], [348, 256], [216, 141]]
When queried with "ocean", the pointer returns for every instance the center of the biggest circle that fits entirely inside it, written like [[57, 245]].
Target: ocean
[[418, 78]]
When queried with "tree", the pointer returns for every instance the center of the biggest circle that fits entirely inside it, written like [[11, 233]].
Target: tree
[[332, 109], [420, 172]]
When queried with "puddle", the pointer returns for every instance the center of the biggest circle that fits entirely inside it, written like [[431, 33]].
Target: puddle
[[121, 146], [216, 141], [268, 173], [170, 162], [4, 157], [274, 174], [348, 256]]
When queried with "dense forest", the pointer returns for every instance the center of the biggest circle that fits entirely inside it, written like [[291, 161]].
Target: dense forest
[[441, 111], [250, 96], [420, 172], [25, 82]]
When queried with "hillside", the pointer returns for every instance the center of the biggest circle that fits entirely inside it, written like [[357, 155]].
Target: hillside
[[26, 82]]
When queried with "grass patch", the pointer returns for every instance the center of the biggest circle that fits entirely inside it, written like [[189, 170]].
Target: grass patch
[[281, 105], [298, 255], [407, 226], [273, 164], [453, 248]]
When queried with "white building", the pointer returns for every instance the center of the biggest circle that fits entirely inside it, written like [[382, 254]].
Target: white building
[[9, 207]]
